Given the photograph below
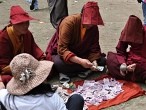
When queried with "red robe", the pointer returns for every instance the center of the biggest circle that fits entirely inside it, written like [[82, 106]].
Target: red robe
[[134, 37], [6, 48]]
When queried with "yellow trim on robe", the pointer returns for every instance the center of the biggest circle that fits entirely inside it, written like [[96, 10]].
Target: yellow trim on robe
[[16, 41]]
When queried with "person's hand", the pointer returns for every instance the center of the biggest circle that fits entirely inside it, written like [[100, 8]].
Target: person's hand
[[95, 63], [139, 1], [94, 67], [123, 69], [86, 63], [131, 67]]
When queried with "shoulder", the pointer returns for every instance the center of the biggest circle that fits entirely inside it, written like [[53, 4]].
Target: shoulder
[[73, 16], [55, 95], [3, 94], [58, 98], [72, 19], [28, 36], [3, 91], [29, 33], [59, 102], [3, 34]]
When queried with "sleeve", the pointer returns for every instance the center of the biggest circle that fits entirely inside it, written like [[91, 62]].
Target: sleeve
[[121, 49], [59, 103], [95, 50], [65, 33], [6, 53]]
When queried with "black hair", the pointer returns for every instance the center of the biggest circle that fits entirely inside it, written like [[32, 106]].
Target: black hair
[[43, 88]]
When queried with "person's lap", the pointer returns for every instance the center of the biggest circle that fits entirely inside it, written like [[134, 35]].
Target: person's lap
[[65, 68]]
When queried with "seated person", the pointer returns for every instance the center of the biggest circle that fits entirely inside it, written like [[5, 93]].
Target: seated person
[[15, 38], [77, 39], [129, 62], [29, 88]]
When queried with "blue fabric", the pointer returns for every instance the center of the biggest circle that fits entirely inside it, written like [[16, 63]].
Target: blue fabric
[[35, 4], [144, 12]]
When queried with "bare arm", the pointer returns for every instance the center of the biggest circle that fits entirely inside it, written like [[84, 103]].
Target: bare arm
[[84, 62]]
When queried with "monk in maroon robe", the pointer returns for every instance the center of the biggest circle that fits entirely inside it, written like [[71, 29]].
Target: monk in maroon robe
[[77, 39], [129, 62], [15, 39]]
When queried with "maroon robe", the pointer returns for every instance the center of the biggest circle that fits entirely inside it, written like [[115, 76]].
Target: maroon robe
[[133, 35], [6, 48]]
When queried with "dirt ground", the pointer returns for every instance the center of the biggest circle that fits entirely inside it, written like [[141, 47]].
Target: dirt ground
[[114, 13]]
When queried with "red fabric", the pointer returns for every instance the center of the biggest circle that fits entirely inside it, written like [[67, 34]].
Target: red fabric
[[113, 65], [91, 14], [18, 15], [133, 31], [136, 53], [6, 48], [114, 61], [52, 46], [134, 37], [6, 78], [131, 90], [69, 56]]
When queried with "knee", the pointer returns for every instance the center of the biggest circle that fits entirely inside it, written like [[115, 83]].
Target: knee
[[57, 60], [78, 98]]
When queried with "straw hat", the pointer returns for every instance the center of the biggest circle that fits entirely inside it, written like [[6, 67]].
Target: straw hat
[[91, 14], [27, 73], [18, 15]]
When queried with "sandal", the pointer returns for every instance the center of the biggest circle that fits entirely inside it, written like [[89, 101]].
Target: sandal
[[84, 74], [63, 78]]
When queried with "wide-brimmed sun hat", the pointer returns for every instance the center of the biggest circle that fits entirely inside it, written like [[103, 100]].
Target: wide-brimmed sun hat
[[27, 73], [18, 15], [91, 14]]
